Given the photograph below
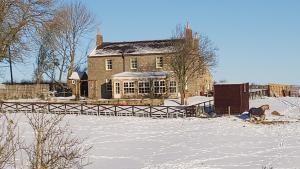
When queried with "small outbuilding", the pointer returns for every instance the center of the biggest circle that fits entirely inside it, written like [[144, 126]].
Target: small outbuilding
[[231, 98]]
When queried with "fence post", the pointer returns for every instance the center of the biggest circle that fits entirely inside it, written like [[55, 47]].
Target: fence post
[[81, 108], [133, 113], [98, 109], [115, 110], [48, 105], [65, 105], [17, 110], [150, 111], [168, 111]]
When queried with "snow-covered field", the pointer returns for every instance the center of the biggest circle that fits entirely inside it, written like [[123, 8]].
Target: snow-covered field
[[224, 142]]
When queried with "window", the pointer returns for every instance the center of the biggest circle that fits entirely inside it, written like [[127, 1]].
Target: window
[[117, 87], [108, 85], [159, 62], [144, 87], [108, 64], [172, 87], [133, 63], [128, 87], [159, 87]]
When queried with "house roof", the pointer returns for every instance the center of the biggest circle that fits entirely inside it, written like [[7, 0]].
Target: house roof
[[130, 75], [77, 75], [133, 48]]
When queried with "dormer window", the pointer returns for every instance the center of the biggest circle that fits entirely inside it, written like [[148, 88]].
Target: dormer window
[[133, 63], [159, 62], [108, 64]]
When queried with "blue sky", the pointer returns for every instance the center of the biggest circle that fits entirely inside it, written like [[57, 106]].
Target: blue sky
[[258, 40]]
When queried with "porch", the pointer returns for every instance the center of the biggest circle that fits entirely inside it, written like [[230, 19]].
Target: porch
[[144, 85]]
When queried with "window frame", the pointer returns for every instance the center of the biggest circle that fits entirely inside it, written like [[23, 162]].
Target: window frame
[[133, 61], [160, 89], [159, 62], [128, 88], [108, 84], [107, 65], [117, 88], [146, 89], [172, 86]]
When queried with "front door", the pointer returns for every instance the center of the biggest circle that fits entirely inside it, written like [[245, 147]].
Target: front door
[[117, 94]]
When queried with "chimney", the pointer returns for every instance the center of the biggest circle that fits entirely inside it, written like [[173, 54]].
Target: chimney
[[99, 39], [188, 32], [196, 40]]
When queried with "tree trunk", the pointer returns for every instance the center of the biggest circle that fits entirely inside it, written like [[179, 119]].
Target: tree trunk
[[72, 62], [62, 67], [182, 97]]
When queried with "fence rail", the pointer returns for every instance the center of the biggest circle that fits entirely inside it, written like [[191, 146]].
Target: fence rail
[[109, 110]]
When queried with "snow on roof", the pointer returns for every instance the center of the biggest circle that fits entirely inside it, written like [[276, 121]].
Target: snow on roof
[[133, 48], [74, 76], [225, 83], [125, 75]]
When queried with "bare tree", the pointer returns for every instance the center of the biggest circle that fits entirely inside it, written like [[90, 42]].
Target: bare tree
[[18, 22], [54, 146], [75, 21], [47, 60], [191, 55], [9, 141]]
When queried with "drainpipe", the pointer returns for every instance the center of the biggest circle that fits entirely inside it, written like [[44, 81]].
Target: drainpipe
[[123, 57]]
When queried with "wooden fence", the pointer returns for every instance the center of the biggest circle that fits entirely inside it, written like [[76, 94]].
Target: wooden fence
[[108, 110], [18, 91]]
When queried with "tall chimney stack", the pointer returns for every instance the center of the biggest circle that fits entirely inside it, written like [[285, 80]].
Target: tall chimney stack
[[99, 39], [188, 32]]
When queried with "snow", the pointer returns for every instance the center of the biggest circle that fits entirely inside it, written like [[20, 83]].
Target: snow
[[74, 76], [191, 143], [133, 48], [190, 100], [161, 74], [286, 106]]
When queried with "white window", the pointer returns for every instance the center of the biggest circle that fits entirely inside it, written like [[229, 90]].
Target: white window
[[159, 62], [159, 87], [117, 87], [172, 87], [128, 87], [108, 85], [108, 64], [144, 87], [133, 63]]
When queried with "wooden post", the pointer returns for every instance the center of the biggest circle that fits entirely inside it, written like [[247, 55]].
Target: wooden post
[[133, 114], [168, 112], [229, 110]]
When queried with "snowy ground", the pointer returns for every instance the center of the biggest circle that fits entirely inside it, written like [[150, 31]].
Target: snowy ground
[[192, 143], [190, 100]]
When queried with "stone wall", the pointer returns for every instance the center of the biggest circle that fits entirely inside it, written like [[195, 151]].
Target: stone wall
[[97, 71]]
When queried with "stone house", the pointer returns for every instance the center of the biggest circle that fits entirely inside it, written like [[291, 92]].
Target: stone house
[[137, 69]]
